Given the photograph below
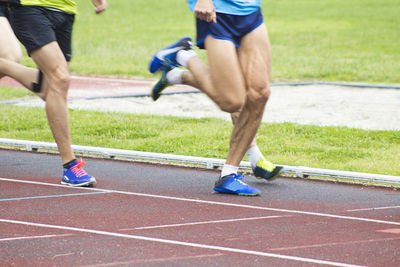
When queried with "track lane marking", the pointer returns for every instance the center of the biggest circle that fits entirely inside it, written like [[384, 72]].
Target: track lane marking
[[31, 237], [154, 260], [377, 208], [175, 242], [53, 196], [212, 202], [335, 244], [204, 222], [390, 231]]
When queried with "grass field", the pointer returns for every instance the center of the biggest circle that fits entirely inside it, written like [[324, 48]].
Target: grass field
[[332, 40]]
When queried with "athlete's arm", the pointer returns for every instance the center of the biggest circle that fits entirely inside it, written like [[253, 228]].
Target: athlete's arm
[[205, 10], [99, 5]]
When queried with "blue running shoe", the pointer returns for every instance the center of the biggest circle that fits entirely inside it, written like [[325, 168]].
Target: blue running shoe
[[167, 55], [266, 170], [233, 184], [161, 84], [74, 175]]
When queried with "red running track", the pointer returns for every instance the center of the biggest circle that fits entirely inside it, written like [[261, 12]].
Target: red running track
[[151, 215], [104, 87]]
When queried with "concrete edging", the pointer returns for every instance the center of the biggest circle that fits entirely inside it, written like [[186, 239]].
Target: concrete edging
[[209, 163]]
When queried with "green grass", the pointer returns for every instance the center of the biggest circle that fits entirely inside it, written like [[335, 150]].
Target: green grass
[[285, 143], [332, 40], [335, 40], [9, 93]]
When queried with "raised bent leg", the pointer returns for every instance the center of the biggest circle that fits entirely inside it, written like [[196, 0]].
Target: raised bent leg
[[222, 80], [25, 75], [10, 55], [9, 47]]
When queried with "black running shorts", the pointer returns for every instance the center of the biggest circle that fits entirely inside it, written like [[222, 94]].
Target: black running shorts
[[3, 9], [36, 27]]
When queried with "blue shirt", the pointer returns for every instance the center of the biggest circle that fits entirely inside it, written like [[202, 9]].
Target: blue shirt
[[233, 7]]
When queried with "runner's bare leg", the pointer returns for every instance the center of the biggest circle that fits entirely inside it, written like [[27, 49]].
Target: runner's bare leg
[[51, 61], [225, 83], [255, 59], [9, 46]]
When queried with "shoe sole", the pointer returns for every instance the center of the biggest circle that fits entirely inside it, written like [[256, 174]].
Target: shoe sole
[[274, 175], [156, 94], [219, 190], [89, 183]]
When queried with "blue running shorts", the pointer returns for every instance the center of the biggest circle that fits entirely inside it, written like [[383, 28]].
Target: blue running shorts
[[36, 27], [228, 27]]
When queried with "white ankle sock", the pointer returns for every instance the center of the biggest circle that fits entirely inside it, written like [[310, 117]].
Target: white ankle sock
[[183, 56], [174, 76], [254, 155], [229, 169]]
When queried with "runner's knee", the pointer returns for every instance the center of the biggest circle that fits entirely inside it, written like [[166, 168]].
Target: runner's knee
[[258, 96], [59, 80], [231, 105], [62, 77]]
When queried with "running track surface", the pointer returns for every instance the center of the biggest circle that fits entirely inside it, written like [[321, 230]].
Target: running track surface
[[151, 215], [102, 87]]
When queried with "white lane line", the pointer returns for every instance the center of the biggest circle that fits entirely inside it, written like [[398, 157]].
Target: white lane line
[[181, 243], [377, 208], [51, 196], [395, 231], [154, 260], [63, 255], [214, 202], [336, 244], [31, 237], [49, 184], [205, 222]]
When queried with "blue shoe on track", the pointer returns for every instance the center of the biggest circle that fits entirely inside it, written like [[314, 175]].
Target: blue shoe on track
[[161, 84], [266, 170], [167, 55], [233, 184], [75, 175]]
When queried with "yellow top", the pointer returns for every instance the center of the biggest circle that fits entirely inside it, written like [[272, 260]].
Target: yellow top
[[68, 6]]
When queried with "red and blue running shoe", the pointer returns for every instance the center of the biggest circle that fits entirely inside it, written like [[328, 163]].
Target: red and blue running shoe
[[233, 184], [75, 175], [167, 55]]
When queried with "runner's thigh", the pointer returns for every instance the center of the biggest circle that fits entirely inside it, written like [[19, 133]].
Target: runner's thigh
[[225, 70], [255, 58], [8, 42]]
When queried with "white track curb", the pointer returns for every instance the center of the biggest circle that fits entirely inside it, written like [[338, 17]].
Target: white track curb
[[208, 163]]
